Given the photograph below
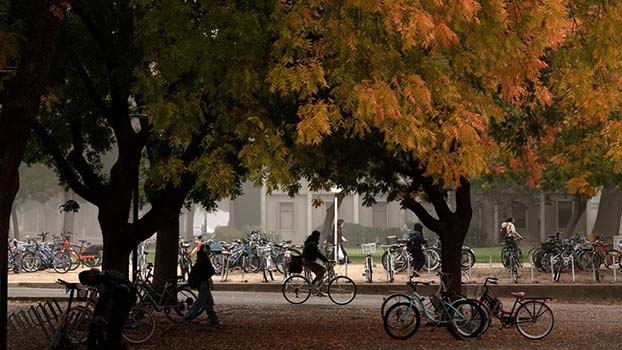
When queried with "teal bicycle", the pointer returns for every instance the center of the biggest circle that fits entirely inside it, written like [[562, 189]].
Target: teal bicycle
[[464, 318]]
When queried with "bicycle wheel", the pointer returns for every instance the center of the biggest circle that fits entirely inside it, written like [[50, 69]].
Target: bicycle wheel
[[296, 289], [77, 324], [183, 298], [61, 262], [30, 262], [468, 318], [140, 325], [391, 300], [432, 259], [341, 290], [401, 320], [465, 260], [612, 257], [368, 270], [385, 261], [534, 319], [75, 260]]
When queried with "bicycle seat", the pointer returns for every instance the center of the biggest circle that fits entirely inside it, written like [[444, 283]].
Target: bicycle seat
[[518, 295]]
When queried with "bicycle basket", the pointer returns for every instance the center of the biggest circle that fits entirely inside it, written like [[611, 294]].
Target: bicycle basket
[[215, 248], [295, 264], [368, 248], [391, 240]]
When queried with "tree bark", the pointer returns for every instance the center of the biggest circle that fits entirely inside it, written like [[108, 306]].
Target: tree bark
[[15, 222], [18, 114], [609, 210], [580, 203], [166, 252]]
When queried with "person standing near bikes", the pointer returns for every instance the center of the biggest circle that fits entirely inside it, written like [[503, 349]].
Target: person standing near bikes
[[414, 246], [201, 278], [340, 240], [310, 254], [510, 236], [116, 296]]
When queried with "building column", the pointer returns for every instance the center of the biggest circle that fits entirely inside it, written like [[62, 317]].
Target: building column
[[356, 201], [309, 207], [263, 210]]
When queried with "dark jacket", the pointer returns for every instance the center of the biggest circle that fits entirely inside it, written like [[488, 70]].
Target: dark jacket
[[311, 251], [201, 271], [415, 240]]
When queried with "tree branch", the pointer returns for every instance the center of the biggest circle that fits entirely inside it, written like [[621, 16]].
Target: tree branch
[[90, 87], [436, 197], [463, 198], [423, 215], [76, 157], [65, 170]]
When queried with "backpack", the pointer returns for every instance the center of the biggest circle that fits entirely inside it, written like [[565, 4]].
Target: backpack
[[503, 232]]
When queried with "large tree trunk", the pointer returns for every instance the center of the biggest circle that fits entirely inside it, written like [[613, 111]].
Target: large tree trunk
[[166, 252], [15, 222], [580, 203], [327, 228], [609, 210], [189, 223], [451, 227], [18, 114], [117, 245]]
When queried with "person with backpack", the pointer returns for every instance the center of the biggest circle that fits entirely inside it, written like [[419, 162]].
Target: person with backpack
[[310, 253], [116, 296], [200, 278], [509, 234], [414, 246]]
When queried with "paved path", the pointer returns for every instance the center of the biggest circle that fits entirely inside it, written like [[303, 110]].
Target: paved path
[[266, 321]]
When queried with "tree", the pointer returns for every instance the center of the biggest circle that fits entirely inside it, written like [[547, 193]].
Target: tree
[[19, 100], [421, 81], [181, 80]]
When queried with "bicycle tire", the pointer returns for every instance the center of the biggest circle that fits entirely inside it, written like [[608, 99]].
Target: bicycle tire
[[296, 289], [531, 311], [61, 262], [76, 261], [468, 319], [369, 273], [341, 286], [401, 316], [391, 300], [184, 298], [142, 319], [433, 259], [30, 262], [77, 324]]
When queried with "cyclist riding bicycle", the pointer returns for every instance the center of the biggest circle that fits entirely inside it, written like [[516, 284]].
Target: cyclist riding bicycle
[[310, 253], [510, 236]]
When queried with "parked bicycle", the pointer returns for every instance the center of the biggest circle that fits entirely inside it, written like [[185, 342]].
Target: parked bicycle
[[297, 288], [532, 317], [369, 249], [464, 318], [512, 260]]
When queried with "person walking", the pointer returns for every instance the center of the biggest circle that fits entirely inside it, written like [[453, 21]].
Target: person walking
[[414, 246], [341, 253], [310, 254], [201, 278]]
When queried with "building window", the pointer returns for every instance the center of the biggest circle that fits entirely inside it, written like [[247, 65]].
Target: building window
[[379, 215], [519, 213], [286, 215], [564, 211]]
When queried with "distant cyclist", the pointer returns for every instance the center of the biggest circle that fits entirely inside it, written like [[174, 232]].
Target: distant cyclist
[[414, 245], [310, 254], [509, 234]]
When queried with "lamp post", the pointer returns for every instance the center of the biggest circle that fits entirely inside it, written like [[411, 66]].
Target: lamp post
[[335, 191]]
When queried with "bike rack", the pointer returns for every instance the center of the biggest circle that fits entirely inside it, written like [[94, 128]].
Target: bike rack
[[43, 316]]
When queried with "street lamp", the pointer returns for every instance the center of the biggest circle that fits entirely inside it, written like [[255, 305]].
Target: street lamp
[[335, 191]]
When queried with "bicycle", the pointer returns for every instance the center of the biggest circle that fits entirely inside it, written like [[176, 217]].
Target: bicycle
[[525, 313], [73, 326], [511, 257], [388, 260], [341, 289], [369, 249], [464, 318], [40, 255], [173, 301]]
